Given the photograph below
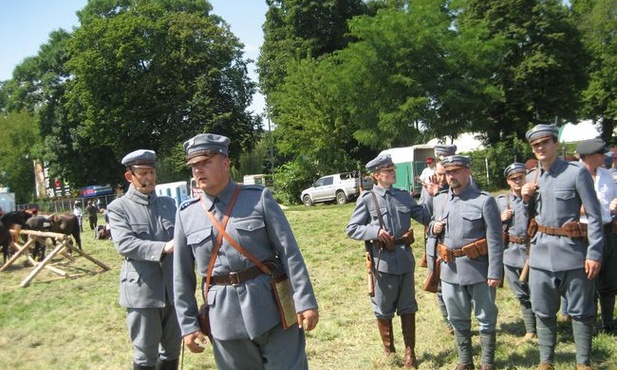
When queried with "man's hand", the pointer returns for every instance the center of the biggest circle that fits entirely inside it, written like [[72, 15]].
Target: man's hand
[[528, 191], [592, 269], [438, 227], [169, 247], [506, 214], [386, 239], [613, 206], [308, 319], [494, 283], [196, 341]]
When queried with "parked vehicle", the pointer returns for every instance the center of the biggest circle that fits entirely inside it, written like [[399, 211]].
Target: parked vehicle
[[339, 188], [409, 162]]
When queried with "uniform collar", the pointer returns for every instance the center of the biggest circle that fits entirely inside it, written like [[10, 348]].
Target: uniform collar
[[224, 197], [139, 197], [380, 191]]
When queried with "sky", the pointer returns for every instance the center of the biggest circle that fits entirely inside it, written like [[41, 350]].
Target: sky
[[25, 25]]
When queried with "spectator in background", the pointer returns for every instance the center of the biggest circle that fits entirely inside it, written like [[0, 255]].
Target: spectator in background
[[92, 213], [79, 214]]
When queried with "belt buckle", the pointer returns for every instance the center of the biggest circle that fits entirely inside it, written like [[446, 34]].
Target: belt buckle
[[234, 278]]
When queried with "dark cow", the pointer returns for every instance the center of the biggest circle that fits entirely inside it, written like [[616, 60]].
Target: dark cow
[[63, 223], [7, 221]]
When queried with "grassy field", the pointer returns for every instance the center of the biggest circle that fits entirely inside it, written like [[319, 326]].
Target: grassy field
[[76, 323]]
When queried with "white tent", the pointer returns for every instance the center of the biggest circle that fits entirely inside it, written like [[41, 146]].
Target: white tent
[[466, 142], [584, 130]]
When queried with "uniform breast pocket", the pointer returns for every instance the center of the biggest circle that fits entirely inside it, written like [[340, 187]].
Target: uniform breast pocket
[[250, 228], [566, 200], [403, 211], [472, 220], [200, 239]]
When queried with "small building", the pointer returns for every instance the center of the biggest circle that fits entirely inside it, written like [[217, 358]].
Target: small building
[[7, 200]]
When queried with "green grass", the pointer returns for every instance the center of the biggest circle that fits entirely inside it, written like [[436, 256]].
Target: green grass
[[76, 323]]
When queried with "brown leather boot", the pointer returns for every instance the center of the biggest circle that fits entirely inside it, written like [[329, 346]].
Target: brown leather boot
[[387, 337], [408, 323]]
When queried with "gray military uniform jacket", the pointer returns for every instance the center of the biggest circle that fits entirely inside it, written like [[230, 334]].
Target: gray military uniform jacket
[[514, 254], [140, 226], [470, 216], [258, 225], [397, 208], [561, 192]]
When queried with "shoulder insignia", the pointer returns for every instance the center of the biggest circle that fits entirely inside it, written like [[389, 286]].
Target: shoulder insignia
[[187, 203], [500, 196], [485, 193]]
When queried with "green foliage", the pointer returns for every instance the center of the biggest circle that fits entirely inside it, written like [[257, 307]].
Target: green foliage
[[291, 178], [487, 165], [135, 74], [20, 145], [597, 21]]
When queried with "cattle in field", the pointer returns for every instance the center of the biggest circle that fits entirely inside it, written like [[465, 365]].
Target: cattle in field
[[63, 223], [9, 220]]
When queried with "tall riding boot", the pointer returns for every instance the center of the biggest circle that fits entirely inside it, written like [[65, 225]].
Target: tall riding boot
[[488, 343], [582, 329], [167, 364], [387, 337], [547, 335], [408, 323], [142, 367], [607, 306], [463, 347]]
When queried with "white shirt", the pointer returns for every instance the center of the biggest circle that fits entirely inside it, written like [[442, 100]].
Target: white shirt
[[606, 190]]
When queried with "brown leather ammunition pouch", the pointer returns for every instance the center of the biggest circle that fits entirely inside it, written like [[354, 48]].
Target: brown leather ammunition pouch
[[406, 239], [532, 229], [472, 250], [431, 284], [575, 229]]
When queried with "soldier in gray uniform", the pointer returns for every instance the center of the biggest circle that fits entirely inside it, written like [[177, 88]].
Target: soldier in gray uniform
[[142, 225], [384, 215], [592, 154], [246, 328], [467, 224], [514, 219], [565, 258]]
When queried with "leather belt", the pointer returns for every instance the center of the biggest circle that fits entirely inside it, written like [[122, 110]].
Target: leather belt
[[517, 239], [552, 230], [454, 252], [235, 278]]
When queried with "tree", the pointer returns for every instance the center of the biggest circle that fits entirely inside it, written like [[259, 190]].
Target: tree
[[598, 22], [542, 70], [298, 29], [19, 138], [137, 74]]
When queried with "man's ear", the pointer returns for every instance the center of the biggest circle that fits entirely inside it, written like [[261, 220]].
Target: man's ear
[[128, 177]]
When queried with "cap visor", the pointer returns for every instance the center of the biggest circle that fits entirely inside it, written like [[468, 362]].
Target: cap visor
[[198, 158]]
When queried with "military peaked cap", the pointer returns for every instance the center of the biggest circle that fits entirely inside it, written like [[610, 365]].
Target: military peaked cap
[[456, 161], [592, 146], [203, 146], [515, 167], [140, 158], [442, 150], [541, 131], [382, 161]]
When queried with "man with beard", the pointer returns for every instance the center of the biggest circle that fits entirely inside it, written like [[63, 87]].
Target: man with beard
[[467, 225]]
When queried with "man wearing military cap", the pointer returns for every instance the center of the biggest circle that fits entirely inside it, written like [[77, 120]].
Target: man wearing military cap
[[591, 153], [467, 225], [383, 218], [444, 150], [565, 257], [142, 227], [514, 220], [247, 330]]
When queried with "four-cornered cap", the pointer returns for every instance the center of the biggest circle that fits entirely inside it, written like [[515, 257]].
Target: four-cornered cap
[[444, 150], [541, 131], [592, 146], [382, 161], [140, 158], [514, 168], [430, 160], [203, 146], [454, 161]]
